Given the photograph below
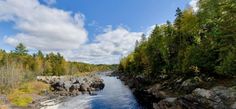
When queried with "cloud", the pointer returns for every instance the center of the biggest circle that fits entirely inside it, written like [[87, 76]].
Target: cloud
[[194, 5], [42, 27], [149, 30], [53, 30], [107, 48]]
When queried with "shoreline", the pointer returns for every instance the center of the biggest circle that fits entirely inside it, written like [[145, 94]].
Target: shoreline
[[179, 92]]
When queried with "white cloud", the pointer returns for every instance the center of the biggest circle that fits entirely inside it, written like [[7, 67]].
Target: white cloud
[[149, 30], [42, 27], [54, 30], [107, 48], [194, 5]]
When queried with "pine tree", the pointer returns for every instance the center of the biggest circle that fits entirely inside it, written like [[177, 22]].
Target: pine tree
[[21, 49]]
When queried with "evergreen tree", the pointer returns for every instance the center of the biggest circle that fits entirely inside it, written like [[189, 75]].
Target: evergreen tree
[[21, 49]]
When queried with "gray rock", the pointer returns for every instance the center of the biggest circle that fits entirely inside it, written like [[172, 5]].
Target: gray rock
[[190, 84], [228, 95], [166, 103], [84, 87], [67, 85], [75, 87], [233, 106], [209, 97], [79, 80]]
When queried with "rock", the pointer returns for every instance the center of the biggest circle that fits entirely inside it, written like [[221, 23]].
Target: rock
[[71, 86], [84, 87], [188, 102], [203, 93], [190, 84], [67, 85], [233, 106], [209, 98], [166, 103], [226, 94], [163, 76], [72, 80], [155, 90], [58, 86], [155, 87], [75, 87], [78, 80]]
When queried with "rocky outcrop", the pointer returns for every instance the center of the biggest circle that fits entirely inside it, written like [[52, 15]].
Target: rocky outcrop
[[218, 97], [72, 86], [180, 92]]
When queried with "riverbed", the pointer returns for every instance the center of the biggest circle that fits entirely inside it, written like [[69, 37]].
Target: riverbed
[[115, 95]]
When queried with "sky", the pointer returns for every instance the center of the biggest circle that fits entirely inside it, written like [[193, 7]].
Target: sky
[[91, 31]]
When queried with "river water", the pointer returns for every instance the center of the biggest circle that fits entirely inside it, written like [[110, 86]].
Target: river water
[[115, 95]]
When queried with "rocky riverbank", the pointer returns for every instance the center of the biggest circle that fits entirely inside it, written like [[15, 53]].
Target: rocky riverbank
[[64, 86], [72, 86], [180, 92]]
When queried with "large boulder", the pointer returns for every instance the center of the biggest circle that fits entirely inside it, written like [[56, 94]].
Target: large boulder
[[84, 87], [67, 85], [155, 91], [209, 98], [75, 87], [58, 86], [226, 94], [190, 84]]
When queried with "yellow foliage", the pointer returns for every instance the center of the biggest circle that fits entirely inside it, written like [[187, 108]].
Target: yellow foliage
[[22, 96]]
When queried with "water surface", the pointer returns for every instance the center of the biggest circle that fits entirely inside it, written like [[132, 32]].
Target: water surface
[[115, 95]]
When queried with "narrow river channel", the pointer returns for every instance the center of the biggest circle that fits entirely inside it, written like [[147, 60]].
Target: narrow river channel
[[115, 95]]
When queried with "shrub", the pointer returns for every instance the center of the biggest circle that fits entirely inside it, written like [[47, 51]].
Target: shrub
[[228, 66], [23, 95]]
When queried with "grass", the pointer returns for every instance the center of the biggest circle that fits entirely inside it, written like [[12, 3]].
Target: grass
[[23, 95], [3, 107]]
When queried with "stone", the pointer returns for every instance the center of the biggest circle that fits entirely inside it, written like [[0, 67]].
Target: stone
[[84, 87], [67, 85], [166, 103], [208, 97], [190, 84], [233, 106]]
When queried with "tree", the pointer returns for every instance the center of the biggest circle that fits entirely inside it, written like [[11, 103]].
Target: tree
[[21, 49], [40, 54], [136, 45], [143, 38], [178, 18]]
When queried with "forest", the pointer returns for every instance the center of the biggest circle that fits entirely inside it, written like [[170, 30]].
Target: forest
[[201, 42], [18, 67]]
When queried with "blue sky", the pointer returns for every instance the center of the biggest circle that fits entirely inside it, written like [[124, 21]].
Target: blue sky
[[93, 31]]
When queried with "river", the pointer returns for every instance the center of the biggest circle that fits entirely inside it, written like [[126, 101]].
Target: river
[[115, 95]]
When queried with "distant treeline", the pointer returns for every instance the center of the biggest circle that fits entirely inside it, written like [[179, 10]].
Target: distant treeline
[[18, 66], [197, 42]]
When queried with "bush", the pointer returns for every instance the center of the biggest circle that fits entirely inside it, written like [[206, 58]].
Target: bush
[[228, 66], [23, 95]]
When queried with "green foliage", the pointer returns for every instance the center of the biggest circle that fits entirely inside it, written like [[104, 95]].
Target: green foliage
[[21, 49], [21, 100], [18, 67], [22, 96], [228, 65], [196, 42]]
